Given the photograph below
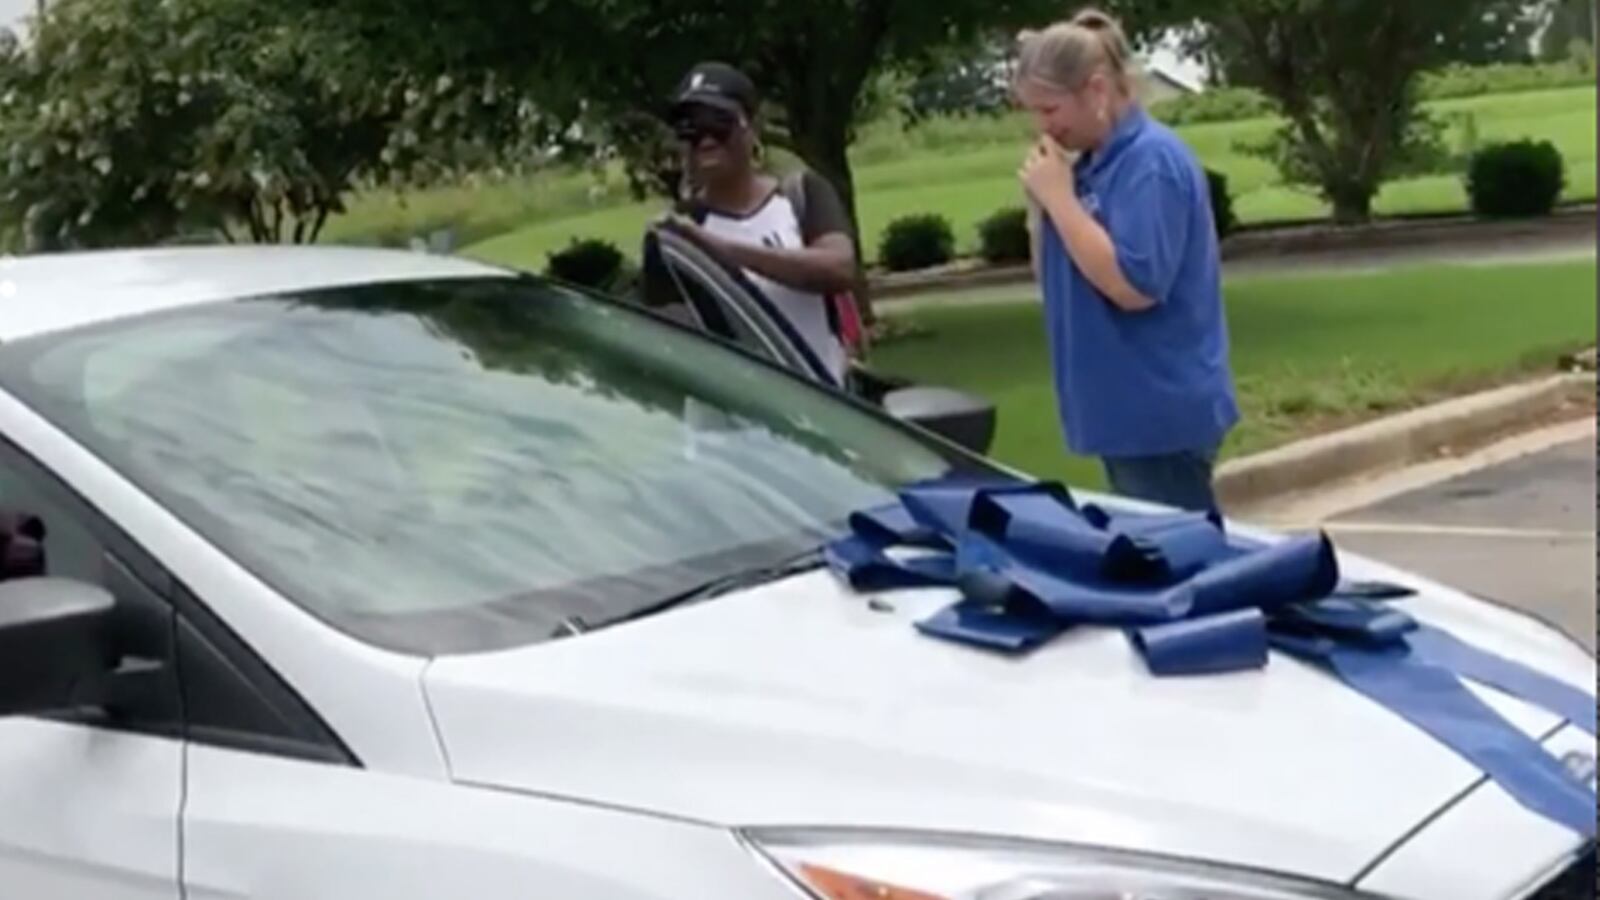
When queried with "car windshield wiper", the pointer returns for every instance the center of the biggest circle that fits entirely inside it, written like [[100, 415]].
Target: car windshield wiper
[[717, 587]]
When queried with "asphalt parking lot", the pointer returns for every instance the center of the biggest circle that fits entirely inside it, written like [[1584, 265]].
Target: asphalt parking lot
[[1521, 532]]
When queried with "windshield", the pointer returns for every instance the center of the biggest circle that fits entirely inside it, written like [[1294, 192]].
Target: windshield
[[465, 465]]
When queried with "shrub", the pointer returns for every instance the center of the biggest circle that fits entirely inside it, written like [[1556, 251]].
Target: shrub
[[1501, 78], [1221, 203], [1231, 104], [590, 263], [1215, 105], [917, 242], [1521, 178], [1004, 238], [1581, 57]]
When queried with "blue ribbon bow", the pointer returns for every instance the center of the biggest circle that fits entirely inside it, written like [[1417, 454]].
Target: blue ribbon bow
[[1030, 563]]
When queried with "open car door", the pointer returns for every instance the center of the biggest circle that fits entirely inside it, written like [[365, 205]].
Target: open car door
[[681, 280], [721, 302]]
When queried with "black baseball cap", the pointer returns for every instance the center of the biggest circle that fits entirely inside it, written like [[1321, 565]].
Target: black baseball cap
[[719, 86]]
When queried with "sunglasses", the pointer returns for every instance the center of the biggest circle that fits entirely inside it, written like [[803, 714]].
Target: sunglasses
[[713, 124]]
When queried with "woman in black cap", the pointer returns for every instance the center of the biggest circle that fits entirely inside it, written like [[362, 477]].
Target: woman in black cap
[[791, 237]]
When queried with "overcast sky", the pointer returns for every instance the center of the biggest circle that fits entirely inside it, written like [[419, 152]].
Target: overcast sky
[[12, 11]]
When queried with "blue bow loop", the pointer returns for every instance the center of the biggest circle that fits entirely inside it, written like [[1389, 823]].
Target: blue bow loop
[[1225, 642]]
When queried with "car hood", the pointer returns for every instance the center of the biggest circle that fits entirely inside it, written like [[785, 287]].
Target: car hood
[[796, 704]]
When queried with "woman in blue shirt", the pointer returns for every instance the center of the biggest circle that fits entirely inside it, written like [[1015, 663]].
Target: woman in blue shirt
[[1126, 255]]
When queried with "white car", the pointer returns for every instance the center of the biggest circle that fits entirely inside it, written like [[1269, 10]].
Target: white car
[[357, 581]]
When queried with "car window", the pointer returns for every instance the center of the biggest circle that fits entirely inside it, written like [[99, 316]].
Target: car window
[[70, 548], [73, 548], [715, 311], [463, 465]]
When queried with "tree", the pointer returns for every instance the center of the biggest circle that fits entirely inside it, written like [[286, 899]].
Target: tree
[[974, 82], [137, 121], [1344, 74], [1502, 32], [1567, 22], [611, 62]]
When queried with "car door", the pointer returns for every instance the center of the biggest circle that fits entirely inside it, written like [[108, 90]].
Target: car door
[[721, 302], [90, 798]]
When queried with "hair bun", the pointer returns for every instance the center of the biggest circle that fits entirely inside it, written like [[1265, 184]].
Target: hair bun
[[1095, 20]]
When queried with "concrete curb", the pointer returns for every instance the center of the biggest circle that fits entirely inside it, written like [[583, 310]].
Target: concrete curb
[[1391, 443], [1307, 243], [1388, 234]]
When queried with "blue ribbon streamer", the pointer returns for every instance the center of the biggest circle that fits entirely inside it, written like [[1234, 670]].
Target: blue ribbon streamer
[[1030, 563], [1447, 651], [1435, 700]]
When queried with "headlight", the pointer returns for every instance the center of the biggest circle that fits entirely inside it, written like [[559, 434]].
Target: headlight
[[852, 865]]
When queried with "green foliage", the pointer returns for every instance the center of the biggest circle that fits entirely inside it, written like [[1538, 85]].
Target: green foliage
[[819, 64], [1520, 178], [1500, 32], [971, 169], [136, 121], [587, 262], [974, 82], [1581, 56], [1232, 104], [475, 207], [1222, 213], [1004, 237], [1571, 22], [917, 242], [1351, 124], [1223, 104], [1504, 78]]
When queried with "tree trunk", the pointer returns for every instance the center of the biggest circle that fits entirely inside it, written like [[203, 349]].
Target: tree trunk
[[323, 209], [1352, 203], [821, 102], [825, 149]]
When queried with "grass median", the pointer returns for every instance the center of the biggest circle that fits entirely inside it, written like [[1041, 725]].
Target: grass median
[[965, 170], [1310, 353]]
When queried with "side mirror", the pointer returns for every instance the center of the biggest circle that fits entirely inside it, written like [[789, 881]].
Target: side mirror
[[963, 418], [55, 644]]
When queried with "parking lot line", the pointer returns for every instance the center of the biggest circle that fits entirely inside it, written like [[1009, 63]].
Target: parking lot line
[[1469, 531]]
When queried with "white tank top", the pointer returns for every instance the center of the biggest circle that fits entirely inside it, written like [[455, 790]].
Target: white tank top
[[776, 225]]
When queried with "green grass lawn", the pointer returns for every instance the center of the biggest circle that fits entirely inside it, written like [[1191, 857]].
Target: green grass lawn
[[1308, 352], [967, 170]]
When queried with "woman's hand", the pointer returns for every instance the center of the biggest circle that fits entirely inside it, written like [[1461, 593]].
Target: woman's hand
[[695, 232], [1047, 174]]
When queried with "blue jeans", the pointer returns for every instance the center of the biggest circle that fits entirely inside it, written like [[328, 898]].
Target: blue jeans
[[1181, 480]]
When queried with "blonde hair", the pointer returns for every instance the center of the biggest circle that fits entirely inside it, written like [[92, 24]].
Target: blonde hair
[[1067, 54]]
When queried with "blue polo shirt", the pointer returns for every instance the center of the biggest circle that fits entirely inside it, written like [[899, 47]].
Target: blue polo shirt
[[1157, 381]]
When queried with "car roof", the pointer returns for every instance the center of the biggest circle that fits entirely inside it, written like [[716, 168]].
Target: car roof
[[56, 291]]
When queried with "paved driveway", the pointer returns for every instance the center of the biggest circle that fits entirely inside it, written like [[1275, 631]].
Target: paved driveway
[[1522, 532]]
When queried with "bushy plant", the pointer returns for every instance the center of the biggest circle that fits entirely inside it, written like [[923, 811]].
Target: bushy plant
[[1215, 105], [1004, 238], [1520, 178], [1221, 203], [917, 242], [588, 262], [1502, 78]]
